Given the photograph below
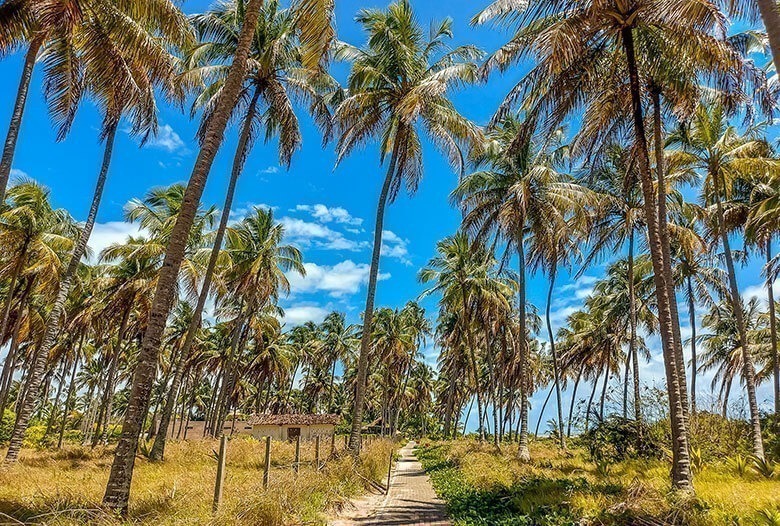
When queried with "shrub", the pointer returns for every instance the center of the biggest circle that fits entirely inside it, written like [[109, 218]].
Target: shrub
[[617, 438], [7, 425]]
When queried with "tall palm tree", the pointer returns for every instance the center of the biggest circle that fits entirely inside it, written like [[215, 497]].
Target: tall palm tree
[[399, 82], [694, 272], [36, 237], [80, 38], [340, 340], [601, 56], [516, 193], [118, 485], [275, 74], [120, 70], [762, 216], [713, 148]]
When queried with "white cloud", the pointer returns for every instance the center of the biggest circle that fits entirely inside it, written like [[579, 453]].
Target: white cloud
[[395, 247], [269, 170], [105, 234], [307, 233], [759, 291], [244, 210], [300, 314], [327, 214], [338, 280], [18, 174], [167, 139]]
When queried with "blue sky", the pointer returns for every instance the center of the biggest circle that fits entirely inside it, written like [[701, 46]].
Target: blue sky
[[329, 213]]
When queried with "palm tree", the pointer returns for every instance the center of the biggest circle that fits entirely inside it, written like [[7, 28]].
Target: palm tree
[[601, 56], [517, 193], [723, 347], [762, 215], [82, 53], [340, 340], [36, 237], [694, 271], [399, 81], [122, 81], [710, 146], [275, 69], [118, 486]]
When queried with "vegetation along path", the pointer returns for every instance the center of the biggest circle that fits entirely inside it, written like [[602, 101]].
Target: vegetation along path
[[411, 499]]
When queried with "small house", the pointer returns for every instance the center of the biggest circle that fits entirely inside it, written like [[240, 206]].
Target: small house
[[291, 426]]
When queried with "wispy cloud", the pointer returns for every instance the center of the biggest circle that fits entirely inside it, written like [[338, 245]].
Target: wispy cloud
[[311, 233], [167, 139], [18, 174], [338, 280], [395, 247], [106, 234], [333, 214], [300, 314]]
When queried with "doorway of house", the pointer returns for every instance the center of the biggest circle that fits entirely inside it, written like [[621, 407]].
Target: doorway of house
[[293, 433]]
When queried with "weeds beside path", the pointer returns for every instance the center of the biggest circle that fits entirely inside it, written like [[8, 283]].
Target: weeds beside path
[[485, 488]]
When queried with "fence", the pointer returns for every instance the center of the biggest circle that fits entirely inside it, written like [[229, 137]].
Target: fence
[[313, 453]]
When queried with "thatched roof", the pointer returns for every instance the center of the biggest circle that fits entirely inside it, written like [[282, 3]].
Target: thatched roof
[[293, 419]]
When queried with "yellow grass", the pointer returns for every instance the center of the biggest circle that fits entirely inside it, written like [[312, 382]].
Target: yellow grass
[[66, 487]]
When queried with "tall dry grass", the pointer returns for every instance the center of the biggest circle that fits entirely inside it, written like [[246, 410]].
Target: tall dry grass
[[66, 487]]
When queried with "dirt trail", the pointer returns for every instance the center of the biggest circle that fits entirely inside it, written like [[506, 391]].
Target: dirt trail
[[411, 500]]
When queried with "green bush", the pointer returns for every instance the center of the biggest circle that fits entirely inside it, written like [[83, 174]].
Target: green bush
[[617, 438], [7, 425]]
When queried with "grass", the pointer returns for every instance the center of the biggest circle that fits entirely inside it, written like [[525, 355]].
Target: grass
[[483, 488], [66, 487]]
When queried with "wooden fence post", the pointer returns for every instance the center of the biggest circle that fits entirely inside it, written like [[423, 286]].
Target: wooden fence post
[[220, 473], [317, 453], [267, 467], [296, 464], [389, 470]]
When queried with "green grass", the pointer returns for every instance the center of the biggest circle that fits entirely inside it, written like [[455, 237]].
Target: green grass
[[482, 487]]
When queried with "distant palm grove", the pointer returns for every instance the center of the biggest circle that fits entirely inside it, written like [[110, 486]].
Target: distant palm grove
[[641, 139]]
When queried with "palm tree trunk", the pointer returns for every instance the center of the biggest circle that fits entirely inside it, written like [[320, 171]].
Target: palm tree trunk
[[9, 366], [573, 400], [55, 405], [69, 398], [604, 391], [368, 313], [111, 383], [770, 13], [491, 379], [681, 473], [556, 371], [694, 364], [773, 330], [590, 400], [472, 356], [523, 454], [748, 369], [541, 413], [625, 385], [158, 449], [118, 486], [18, 113], [632, 347], [58, 308], [663, 232]]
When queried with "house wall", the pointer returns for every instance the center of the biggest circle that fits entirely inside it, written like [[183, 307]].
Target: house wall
[[280, 432]]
